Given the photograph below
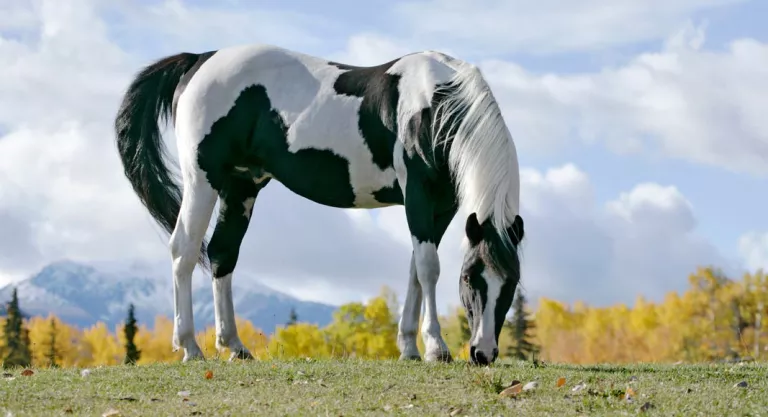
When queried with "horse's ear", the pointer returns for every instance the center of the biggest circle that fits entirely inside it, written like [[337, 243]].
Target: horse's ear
[[473, 229], [516, 231]]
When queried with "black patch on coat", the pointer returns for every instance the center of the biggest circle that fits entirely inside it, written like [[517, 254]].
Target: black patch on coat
[[254, 135], [378, 108], [224, 248], [389, 195]]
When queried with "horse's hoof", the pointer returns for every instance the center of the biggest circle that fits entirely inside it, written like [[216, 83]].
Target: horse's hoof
[[191, 358], [410, 357], [243, 354], [444, 357]]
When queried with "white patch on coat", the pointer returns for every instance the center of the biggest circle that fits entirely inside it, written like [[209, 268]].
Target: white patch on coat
[[484, 340]]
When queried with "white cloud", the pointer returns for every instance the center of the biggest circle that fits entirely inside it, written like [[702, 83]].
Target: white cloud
[[643, 242], [753, 248], [683, 102], [546, 26]]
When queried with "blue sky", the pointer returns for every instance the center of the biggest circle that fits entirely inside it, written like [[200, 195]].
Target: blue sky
[[638, 122]]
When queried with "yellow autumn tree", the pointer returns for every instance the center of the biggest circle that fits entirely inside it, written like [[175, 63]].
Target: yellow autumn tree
[[365, 330], [99, 347], [66, 341], [298, 341], [155, 343]]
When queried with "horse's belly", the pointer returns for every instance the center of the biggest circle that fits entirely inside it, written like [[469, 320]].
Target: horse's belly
[[326, 178], [339, 171]]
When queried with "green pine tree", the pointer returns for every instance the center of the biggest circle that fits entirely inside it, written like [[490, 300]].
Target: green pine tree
[[16, 336], [522, 346], [52, 346], [132, 353], [293, 318]]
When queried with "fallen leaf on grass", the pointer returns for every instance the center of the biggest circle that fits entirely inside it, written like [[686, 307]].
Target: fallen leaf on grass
[[208, 374], [560, 382], [456, 411], [68, 410], [153, 400], [579, 387], [110, 413], [512, 391], [184, 393], [128, 399], [530, 386], [742, 384], [27, 372], [85, 372], [196, 413], [645, 407], [629, 394]]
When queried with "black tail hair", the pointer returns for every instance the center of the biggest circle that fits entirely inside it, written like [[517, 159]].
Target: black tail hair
[[150, 98]]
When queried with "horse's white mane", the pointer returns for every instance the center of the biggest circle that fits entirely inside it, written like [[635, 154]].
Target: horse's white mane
[[483, 158]]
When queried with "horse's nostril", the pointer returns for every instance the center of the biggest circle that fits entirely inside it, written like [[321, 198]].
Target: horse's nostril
[[480, 358]]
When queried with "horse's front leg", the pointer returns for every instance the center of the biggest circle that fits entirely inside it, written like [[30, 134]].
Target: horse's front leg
[[427, 229], [428, 272]]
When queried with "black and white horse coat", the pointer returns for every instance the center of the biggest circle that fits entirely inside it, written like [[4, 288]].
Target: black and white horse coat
[[423, 131]]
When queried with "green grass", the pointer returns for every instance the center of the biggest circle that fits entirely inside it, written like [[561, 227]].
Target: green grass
[[352, 388]]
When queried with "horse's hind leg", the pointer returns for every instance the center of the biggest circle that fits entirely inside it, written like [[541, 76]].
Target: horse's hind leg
[[236, 205], [198, 200]]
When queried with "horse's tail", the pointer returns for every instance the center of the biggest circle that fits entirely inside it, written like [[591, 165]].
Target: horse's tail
[[150, 97]]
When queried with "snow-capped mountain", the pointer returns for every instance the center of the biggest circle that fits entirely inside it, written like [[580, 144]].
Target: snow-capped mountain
[[82, 294]]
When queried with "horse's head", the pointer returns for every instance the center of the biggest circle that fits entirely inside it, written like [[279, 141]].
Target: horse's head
[[489, 276]]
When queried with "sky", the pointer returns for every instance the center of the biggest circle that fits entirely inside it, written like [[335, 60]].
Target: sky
[[639, 126]]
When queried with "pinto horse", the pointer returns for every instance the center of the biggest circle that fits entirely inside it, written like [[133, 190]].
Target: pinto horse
[[423, 131]]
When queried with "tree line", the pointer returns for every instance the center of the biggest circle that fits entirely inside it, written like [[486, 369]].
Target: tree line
[[716, 318]]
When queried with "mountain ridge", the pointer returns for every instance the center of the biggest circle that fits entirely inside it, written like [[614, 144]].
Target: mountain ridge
[[82, 294]]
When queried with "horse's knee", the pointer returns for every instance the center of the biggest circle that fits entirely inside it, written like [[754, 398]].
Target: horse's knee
[[427, 263]]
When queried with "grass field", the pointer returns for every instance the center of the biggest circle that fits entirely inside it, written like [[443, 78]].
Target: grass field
[[352, 387]]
